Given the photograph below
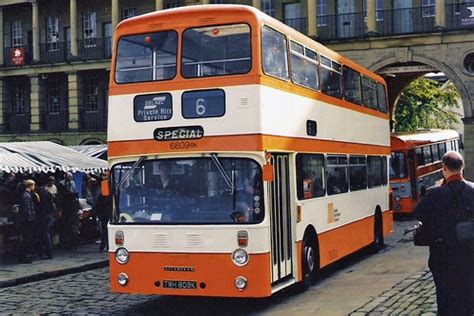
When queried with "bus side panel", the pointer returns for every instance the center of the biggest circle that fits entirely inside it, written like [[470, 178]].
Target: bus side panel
[[216, 271], [387, 218], [344, 240]]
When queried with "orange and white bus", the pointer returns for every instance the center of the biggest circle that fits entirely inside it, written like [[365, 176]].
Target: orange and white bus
[[415, 164], [244, 156]]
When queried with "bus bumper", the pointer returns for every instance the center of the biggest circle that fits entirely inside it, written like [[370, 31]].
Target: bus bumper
[[404, 205], [191, 274]]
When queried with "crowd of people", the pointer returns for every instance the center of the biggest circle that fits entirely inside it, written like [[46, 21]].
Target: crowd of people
[[44, 205]]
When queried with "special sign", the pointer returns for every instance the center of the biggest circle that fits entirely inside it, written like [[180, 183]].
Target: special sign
[[178, 133]]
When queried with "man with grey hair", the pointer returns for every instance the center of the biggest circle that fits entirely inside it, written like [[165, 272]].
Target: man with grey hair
[[451, 262]]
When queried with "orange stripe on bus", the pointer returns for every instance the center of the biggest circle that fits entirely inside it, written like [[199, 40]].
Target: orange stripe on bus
[[253, 142], [216, 271], [342, 241]]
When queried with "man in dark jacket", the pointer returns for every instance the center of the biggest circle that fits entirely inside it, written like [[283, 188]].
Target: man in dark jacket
[[26, 223], [45, 216], [450, 262]]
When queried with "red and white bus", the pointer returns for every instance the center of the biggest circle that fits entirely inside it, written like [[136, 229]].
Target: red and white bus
[[244, 156], [416, 165]]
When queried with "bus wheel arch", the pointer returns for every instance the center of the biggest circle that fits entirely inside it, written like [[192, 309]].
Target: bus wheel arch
[[378, 243], [309, 257]]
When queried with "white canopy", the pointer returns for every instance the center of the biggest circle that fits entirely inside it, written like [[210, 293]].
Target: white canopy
[[46, 157], [91, 150]]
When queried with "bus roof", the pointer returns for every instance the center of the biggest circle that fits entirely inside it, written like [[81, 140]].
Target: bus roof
[[414, 139], [210, 15]]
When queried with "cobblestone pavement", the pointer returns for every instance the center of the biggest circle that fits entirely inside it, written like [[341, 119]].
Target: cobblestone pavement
[[88, 293], [412, 296]]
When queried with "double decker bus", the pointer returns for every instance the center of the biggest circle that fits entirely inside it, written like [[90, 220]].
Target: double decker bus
[[244, 155], [415, 164]]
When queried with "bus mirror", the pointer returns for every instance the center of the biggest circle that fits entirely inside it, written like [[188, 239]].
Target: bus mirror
[[268, 173], [104, 185]]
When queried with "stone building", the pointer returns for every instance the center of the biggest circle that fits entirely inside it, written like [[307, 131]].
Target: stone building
[[55, 54]]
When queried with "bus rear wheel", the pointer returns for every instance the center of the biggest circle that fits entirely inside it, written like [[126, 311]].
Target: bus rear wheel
[[378, 232]]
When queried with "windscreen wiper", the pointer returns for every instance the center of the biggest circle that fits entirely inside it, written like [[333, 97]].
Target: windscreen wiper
[[129, 173], [223, 173]]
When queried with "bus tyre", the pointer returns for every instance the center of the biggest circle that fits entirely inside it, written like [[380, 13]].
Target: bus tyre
[[309, 262], [378, 233]]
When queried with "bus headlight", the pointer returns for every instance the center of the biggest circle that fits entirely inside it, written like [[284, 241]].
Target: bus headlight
[[240, 257], [121, 255], [240, 283], [122, 279]]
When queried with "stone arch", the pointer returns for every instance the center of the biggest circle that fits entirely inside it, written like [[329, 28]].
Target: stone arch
[[92, 141], [441, 66]]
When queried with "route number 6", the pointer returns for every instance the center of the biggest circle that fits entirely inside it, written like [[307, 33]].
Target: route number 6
[[200, 106]]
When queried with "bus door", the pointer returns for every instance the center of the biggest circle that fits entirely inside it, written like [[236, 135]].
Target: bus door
[[280, 219]]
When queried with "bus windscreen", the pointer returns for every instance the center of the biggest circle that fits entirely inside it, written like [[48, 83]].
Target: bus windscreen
[[211, 190], [397, 166]]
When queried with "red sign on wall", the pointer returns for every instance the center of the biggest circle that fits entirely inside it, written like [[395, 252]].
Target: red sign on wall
[[18, 56]]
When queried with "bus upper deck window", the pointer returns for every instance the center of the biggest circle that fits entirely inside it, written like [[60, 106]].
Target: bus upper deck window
[[274, 55], [146, 57], [216, 51]]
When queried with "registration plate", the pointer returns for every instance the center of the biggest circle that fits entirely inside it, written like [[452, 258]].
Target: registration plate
[[185, 285]]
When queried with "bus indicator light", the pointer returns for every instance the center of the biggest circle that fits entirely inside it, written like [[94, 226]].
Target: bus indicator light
[[119, 239], [242, 238], [148, 39], [215, 32]]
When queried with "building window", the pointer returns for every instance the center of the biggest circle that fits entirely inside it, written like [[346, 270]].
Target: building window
[[17, 33], [379, 10], [89, 21], [268, 6], [172, 4], [91, 89], [322, 10], [53, 95], [428, 8], [457, 6], [52, 32], [19, 98], [129, 13]]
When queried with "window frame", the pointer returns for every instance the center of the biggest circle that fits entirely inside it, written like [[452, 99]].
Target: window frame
[[300, 179], [17, 33], [344, 67], [351, 189], [179, 58], [153, 68], [337, 165], [304, 57], [286, 50], [331, 68]]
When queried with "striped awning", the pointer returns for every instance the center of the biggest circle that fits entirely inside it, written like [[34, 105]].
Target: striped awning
[[46, 156], [91, 150]]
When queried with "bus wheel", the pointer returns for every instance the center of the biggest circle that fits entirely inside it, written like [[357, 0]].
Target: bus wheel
[[309, 261], [378, 232]]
